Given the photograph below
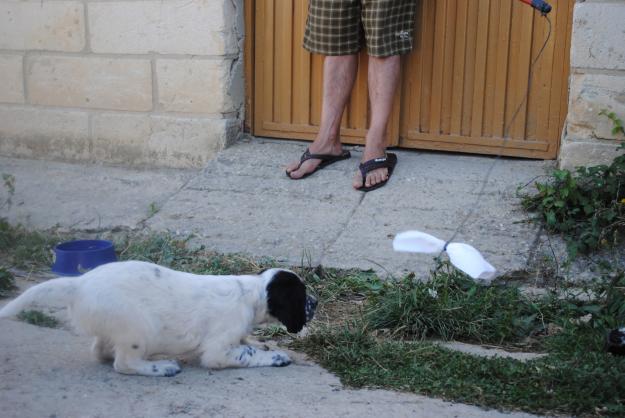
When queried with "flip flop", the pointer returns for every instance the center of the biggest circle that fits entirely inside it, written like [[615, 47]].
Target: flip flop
[[389, 161], [326, 160]]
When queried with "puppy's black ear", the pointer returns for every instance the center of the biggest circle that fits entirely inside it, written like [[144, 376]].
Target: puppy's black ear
[[286, 300]]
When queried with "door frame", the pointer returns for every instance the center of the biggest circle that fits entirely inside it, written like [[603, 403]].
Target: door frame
[[249, 44]]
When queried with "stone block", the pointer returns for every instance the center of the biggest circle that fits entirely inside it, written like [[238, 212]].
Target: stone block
[[587, 153], [598, 35], [42, 25], [12, 85], [173, 27], [158, 140], [90, 82], [589, 95], [44, 133], [198, 86]]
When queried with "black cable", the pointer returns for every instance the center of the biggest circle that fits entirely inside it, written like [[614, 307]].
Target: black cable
[[503, 144]]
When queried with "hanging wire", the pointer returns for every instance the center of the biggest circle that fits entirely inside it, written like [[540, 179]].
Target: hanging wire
[[506, 132]]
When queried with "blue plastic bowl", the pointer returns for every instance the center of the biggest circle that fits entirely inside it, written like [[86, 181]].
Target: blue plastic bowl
[[74, 258]]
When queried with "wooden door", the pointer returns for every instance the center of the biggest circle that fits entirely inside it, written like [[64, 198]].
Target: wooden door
[[460, 86], [468, 75]]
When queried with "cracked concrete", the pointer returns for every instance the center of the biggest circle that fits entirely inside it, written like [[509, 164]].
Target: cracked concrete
[[243, 203], [345, 228]]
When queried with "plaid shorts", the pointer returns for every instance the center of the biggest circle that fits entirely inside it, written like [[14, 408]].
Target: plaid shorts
[[341, 27]]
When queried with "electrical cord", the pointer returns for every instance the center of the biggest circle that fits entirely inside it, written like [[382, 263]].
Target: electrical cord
[[503, 144]]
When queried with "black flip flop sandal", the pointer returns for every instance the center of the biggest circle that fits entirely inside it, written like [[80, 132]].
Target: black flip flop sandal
[[326, 160], [389, 162]]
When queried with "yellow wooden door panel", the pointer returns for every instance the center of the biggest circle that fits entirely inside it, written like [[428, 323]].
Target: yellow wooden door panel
[[468, 74], [462, 84], [289, 80]]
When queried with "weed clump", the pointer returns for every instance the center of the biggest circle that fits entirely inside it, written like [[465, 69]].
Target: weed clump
[[7, 283], [179, 254], [586, 206], [452, 306], [22, 248], [38, 318]]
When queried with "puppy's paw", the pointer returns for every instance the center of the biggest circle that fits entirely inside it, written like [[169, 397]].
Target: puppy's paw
[[280, 359], [165, 368]]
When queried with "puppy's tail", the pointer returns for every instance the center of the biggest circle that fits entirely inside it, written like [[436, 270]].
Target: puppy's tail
[[55, 292]]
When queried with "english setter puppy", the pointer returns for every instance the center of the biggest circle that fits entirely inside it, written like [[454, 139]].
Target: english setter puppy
[[137, 311]]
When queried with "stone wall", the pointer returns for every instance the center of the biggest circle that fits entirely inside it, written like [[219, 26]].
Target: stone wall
[[597, 83], [160, 82], [147, 82]]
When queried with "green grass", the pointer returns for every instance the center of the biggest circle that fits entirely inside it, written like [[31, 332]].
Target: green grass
[[452, 306], [7, 283], [272, 332], [387, 346], [25, 249], [177, 253], [375, 333], [586, 206], [578, 381], [152, 209], [38, 318], [8, 181]]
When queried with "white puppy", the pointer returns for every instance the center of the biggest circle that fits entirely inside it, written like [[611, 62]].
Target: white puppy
[[137, 310]]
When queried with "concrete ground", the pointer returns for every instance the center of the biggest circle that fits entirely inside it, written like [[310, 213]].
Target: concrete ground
[[50, 373], [242, 202]]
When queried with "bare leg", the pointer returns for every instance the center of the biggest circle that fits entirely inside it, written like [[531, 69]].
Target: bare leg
[[383, 79], [339, 74]]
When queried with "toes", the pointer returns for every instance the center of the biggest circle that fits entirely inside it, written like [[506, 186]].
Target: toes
[[373, 177], [292, 167], [382, 175], [357, 183], [306, 167], [296, 174]]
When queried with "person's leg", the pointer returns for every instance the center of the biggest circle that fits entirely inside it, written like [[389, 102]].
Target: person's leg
[[388, 28], [383, 79], [333, 29], [339, 74]]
